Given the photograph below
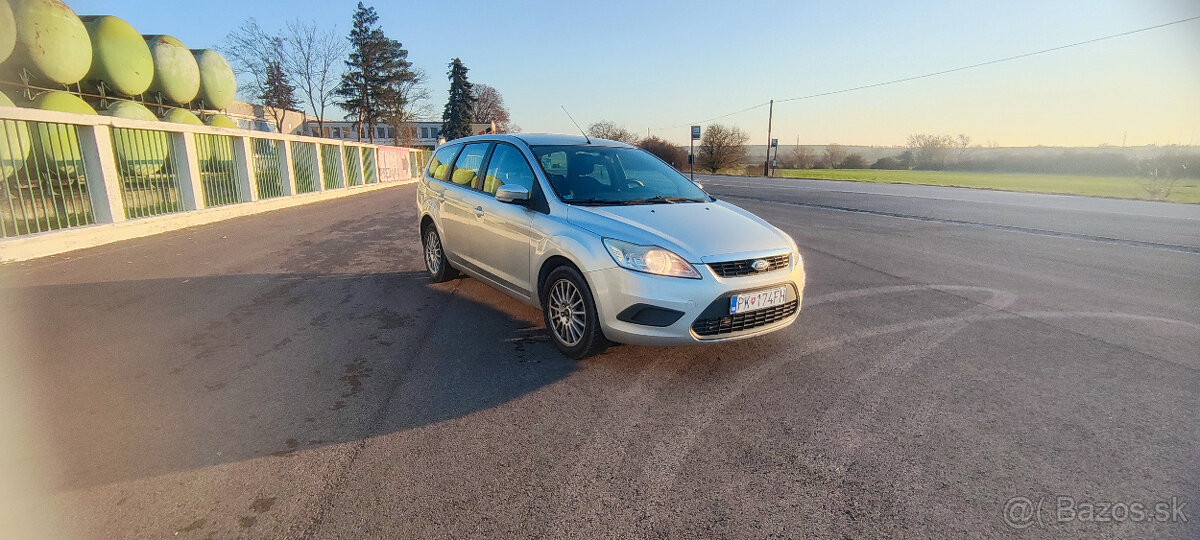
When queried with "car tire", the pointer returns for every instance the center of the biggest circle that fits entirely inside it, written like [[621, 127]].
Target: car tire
[[570, 314], [434, 254]]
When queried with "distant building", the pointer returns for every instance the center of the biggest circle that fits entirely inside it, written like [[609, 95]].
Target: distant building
[[257, 118], [420, 134]]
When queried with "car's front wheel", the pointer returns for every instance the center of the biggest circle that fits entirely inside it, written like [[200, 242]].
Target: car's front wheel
[[435, 255], [570, 314]]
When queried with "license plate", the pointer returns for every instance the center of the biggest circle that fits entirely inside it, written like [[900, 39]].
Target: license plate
[[752, 301]]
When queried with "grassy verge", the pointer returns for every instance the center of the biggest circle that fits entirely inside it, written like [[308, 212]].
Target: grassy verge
[[1186, 190]]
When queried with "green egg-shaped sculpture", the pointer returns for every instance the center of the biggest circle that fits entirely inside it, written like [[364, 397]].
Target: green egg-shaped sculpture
[[221, 121], [139, 152], [182, 116], [58, 144], [50, 41], [120, 57], [8, 31], [14, 142], [204, 143], [218, 84], [131, 110], [62, 102], [176, 75]]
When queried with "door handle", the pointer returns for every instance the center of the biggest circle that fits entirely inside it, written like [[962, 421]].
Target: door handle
[[441, 197], [478, 211]]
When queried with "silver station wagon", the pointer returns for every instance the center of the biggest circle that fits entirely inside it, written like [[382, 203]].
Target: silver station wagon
[[608, 240]]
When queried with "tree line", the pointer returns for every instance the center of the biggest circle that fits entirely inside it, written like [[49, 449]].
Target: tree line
[[365, 73], [720, 148], [723, 149]]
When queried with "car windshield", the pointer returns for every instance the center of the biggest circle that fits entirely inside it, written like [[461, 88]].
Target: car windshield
[[600, 175]]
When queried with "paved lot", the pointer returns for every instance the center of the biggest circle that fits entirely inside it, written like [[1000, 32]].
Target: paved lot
[[293, 375]]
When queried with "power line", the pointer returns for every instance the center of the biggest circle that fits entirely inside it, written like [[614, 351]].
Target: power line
[[990, 62], [759, 106], [947, 71]]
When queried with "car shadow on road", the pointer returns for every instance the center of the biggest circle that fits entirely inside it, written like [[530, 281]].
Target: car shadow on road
[[141, 378]]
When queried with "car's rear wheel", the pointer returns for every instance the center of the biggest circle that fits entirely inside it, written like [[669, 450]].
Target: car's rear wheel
[[570, 314], [435, 255]]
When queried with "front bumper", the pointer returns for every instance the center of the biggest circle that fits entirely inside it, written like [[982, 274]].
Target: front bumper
[[616, 290]]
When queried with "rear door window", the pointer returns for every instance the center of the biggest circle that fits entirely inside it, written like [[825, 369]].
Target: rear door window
[[439, 166], [466, 168]]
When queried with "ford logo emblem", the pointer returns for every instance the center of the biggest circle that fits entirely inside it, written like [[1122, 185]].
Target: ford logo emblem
[[760, 265]]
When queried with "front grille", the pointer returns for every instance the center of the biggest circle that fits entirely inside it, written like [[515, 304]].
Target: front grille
[[743, 321], [743, 268]]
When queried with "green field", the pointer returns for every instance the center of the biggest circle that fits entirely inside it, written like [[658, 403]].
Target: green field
[[1185, 190]]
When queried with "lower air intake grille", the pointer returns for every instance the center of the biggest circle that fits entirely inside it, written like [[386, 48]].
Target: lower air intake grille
[[743, 321]]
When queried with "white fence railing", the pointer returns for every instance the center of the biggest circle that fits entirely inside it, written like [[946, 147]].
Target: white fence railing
[[62, 171]]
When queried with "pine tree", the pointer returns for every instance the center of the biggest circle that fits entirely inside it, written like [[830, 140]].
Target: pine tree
[[376, 67], [279, 94], [456, 119]]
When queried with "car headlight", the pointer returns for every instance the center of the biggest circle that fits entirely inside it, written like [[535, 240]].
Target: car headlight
[[795, 258], [649, 259]]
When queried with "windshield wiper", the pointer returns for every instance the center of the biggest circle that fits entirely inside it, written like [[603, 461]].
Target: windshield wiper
[[596, 202], [659, 199]]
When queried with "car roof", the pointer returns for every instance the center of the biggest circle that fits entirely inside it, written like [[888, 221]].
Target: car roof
[[543, 139]]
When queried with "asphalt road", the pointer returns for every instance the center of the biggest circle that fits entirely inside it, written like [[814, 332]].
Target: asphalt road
[[293, 375]]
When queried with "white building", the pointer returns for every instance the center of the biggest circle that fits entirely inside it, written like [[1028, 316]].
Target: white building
[[420, 135], [256, 117]]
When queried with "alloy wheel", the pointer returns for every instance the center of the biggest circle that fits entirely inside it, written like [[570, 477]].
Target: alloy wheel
[[567, 312], [433, 251]]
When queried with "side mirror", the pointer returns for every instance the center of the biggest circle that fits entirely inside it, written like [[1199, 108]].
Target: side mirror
[[512, 193]]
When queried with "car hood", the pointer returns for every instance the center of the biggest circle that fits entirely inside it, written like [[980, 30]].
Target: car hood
[[698, 232]]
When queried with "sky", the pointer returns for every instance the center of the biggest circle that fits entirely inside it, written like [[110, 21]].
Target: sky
[[659, 67]]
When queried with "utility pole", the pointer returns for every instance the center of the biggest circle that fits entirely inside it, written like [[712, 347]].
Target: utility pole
[[770, 117]]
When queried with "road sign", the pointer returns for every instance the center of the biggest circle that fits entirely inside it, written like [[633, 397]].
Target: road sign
[[774, 143], [690, 159], [695, 133]]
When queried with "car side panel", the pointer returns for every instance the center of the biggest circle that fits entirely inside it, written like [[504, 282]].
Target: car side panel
[[560, 239], [505, 240]]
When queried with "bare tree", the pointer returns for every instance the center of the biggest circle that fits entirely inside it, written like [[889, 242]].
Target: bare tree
[[962, 142], [929, 151], [722, 147], [250, 50], [1160, 174], [608, 130], [673, 155], [803, 157], [834, 155], [312, 61], [489, 107]]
